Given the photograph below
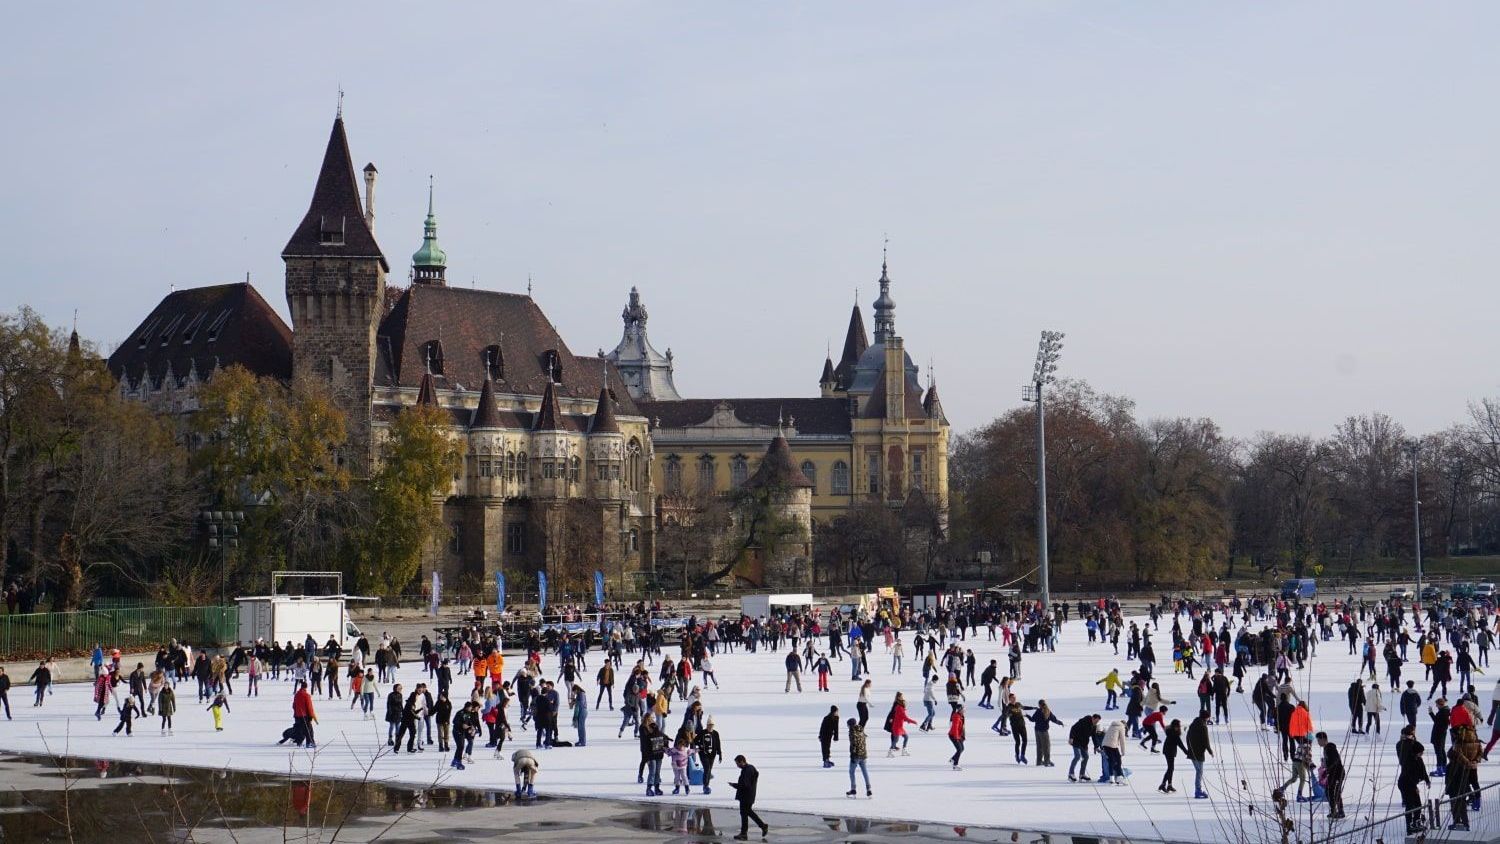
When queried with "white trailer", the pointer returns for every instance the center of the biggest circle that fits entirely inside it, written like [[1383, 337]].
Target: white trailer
[[292, 618], [755, 606]]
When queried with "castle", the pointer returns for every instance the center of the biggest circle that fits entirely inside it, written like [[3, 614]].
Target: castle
[[560, 452]]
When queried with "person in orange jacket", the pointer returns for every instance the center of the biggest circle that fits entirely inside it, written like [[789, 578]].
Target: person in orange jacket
[[1300, 724], [481, 670], [496, 664]]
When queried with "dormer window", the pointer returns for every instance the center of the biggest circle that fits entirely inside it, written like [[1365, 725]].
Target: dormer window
[[494, 363], [552, 364], [217, 326], [166, 333], [432, 355], [331, 232], [192, 329], [147, 332]]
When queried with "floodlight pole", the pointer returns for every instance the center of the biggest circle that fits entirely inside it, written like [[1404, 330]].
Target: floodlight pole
[[1045, 577], [1416, 504]]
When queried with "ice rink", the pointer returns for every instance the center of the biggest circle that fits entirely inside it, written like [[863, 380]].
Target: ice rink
[[778, 732]]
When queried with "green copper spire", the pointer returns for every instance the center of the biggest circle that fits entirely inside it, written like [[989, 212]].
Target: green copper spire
[[429, 262]]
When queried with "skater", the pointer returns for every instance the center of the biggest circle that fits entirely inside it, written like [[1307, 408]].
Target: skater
[[1112, 686], [1041, 720], [744, 791], [1198, 750], [1169, 750], [862, 706], [1333, 770], [1081, 739], [858, 756], [1114, 754], [710, 751], [1301, 764], [929, 702], [828, 733], [524, 765], [128, 710], [681, 754], [218, 707], [956, 735], [1413, 770], [166, 707], [1374, 705], [895, 723]]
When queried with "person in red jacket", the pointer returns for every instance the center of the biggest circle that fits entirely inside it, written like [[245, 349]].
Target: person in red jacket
[[956, 734], [303, 716], [896, 724], [1299, 726], [1155, 719]]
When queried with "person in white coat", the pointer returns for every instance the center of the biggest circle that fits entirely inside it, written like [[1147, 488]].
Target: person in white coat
[[1374, 705], [1114, 754]]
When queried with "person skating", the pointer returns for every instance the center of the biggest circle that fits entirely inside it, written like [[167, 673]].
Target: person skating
[[218, 707], [653, 748], [1333, 770], [128, 710], [466, 727], [1301, 767], [744, 794], [956, 735], [1356, 697], [1374, 705], [42, 678], [1042, 719], [929, 702], [858, 757], [1170, 747], [524, 766], [895, 724], [1198, 751], [166, 707], [710, 751], [828, 733], [1112, 686], [1015, 715], [1081, 739], [1154, 720], [1114, 754], [681, 754], [1413, 770]]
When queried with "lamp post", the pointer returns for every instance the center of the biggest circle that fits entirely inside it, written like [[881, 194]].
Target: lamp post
[[1047, 353], [1413, 447], [223, 527]]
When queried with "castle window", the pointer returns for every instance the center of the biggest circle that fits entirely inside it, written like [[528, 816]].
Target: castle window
[[432, 356], [633, 544], [674, 475], [147, 332], [706, 474], [217, 325], [840, 480], [811, 472], [918, 462], [549, 469], [192, 329], [872, 462], [331, 232], [523, 468], [166, 333], [494, 363], [633, 464], [574, 465], [510, 466], [515, 538], [552, 365], [484, 467], [739, 470]]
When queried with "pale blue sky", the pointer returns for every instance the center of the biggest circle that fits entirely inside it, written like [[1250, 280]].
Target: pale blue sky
[[1273, 214]]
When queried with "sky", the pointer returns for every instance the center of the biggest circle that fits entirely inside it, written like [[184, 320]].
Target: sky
[[1275, 214]]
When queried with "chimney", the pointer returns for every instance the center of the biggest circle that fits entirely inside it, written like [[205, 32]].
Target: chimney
[[370, 172]]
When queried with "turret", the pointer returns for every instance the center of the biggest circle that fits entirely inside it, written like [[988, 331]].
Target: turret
[[429, 264]]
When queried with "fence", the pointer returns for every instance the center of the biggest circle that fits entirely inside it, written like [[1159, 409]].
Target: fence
[[36, 635]]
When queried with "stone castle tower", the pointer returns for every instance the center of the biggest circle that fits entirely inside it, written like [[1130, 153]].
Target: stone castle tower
[[335, 288]]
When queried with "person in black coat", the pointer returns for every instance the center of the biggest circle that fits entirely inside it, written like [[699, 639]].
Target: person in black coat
[[828, 733], [744, 793], [1169, 750], [709, 751], [1081, 738], [1413, 770], [1333, 767], [393, 706]]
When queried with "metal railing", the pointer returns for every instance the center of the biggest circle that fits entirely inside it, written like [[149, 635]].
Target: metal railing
[[38, 635]]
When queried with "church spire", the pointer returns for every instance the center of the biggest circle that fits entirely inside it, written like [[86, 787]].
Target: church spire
[[885, 306], [429, 264]]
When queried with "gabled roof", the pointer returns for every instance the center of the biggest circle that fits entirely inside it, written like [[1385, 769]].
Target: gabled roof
[[855, 343], [549, 418], [778, 469], [203, 329], [487, 415], [335, 207], [467, 322], [604, 415], [806, 416]]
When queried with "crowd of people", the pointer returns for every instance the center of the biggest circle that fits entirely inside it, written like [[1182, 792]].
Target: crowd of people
[[657, 675]]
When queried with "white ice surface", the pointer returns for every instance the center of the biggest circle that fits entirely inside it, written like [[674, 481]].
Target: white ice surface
[[778, 732]]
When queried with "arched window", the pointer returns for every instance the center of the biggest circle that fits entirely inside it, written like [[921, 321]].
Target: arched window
[[674, 474], [510, 465], [840, 478], [634, 545], [633, 464], [523, 468], [494, 363], [811, 472], [574, 464], [706, 474], [739, 470], [432, 356]]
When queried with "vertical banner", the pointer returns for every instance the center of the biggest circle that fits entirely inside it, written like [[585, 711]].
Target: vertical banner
[[499, 592], [599, 588], [437, 592], [541, 590]]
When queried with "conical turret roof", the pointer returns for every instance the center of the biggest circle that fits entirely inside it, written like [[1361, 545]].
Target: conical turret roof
[[486, 415], [427, 391], [827, 376], [933, 405], [855, 343], [778, 469], [604, 414], [549, 418]]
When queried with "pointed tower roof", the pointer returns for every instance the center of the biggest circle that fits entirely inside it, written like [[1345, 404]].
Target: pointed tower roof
[[604, 414], [855, 343], [430, 261], [827, 376], [933, 405], [885, 307], [778, 469], [549, 418], [334, 225], [427, 391], [487, 415]]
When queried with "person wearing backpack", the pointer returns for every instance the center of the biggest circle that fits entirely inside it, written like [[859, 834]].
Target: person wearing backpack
[[895, 724]]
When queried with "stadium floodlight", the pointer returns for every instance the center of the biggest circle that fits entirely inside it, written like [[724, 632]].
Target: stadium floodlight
[[1048, 351]]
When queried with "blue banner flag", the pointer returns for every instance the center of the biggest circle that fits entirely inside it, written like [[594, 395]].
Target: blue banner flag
[[499, 592], [541, 590], [599, 587]]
